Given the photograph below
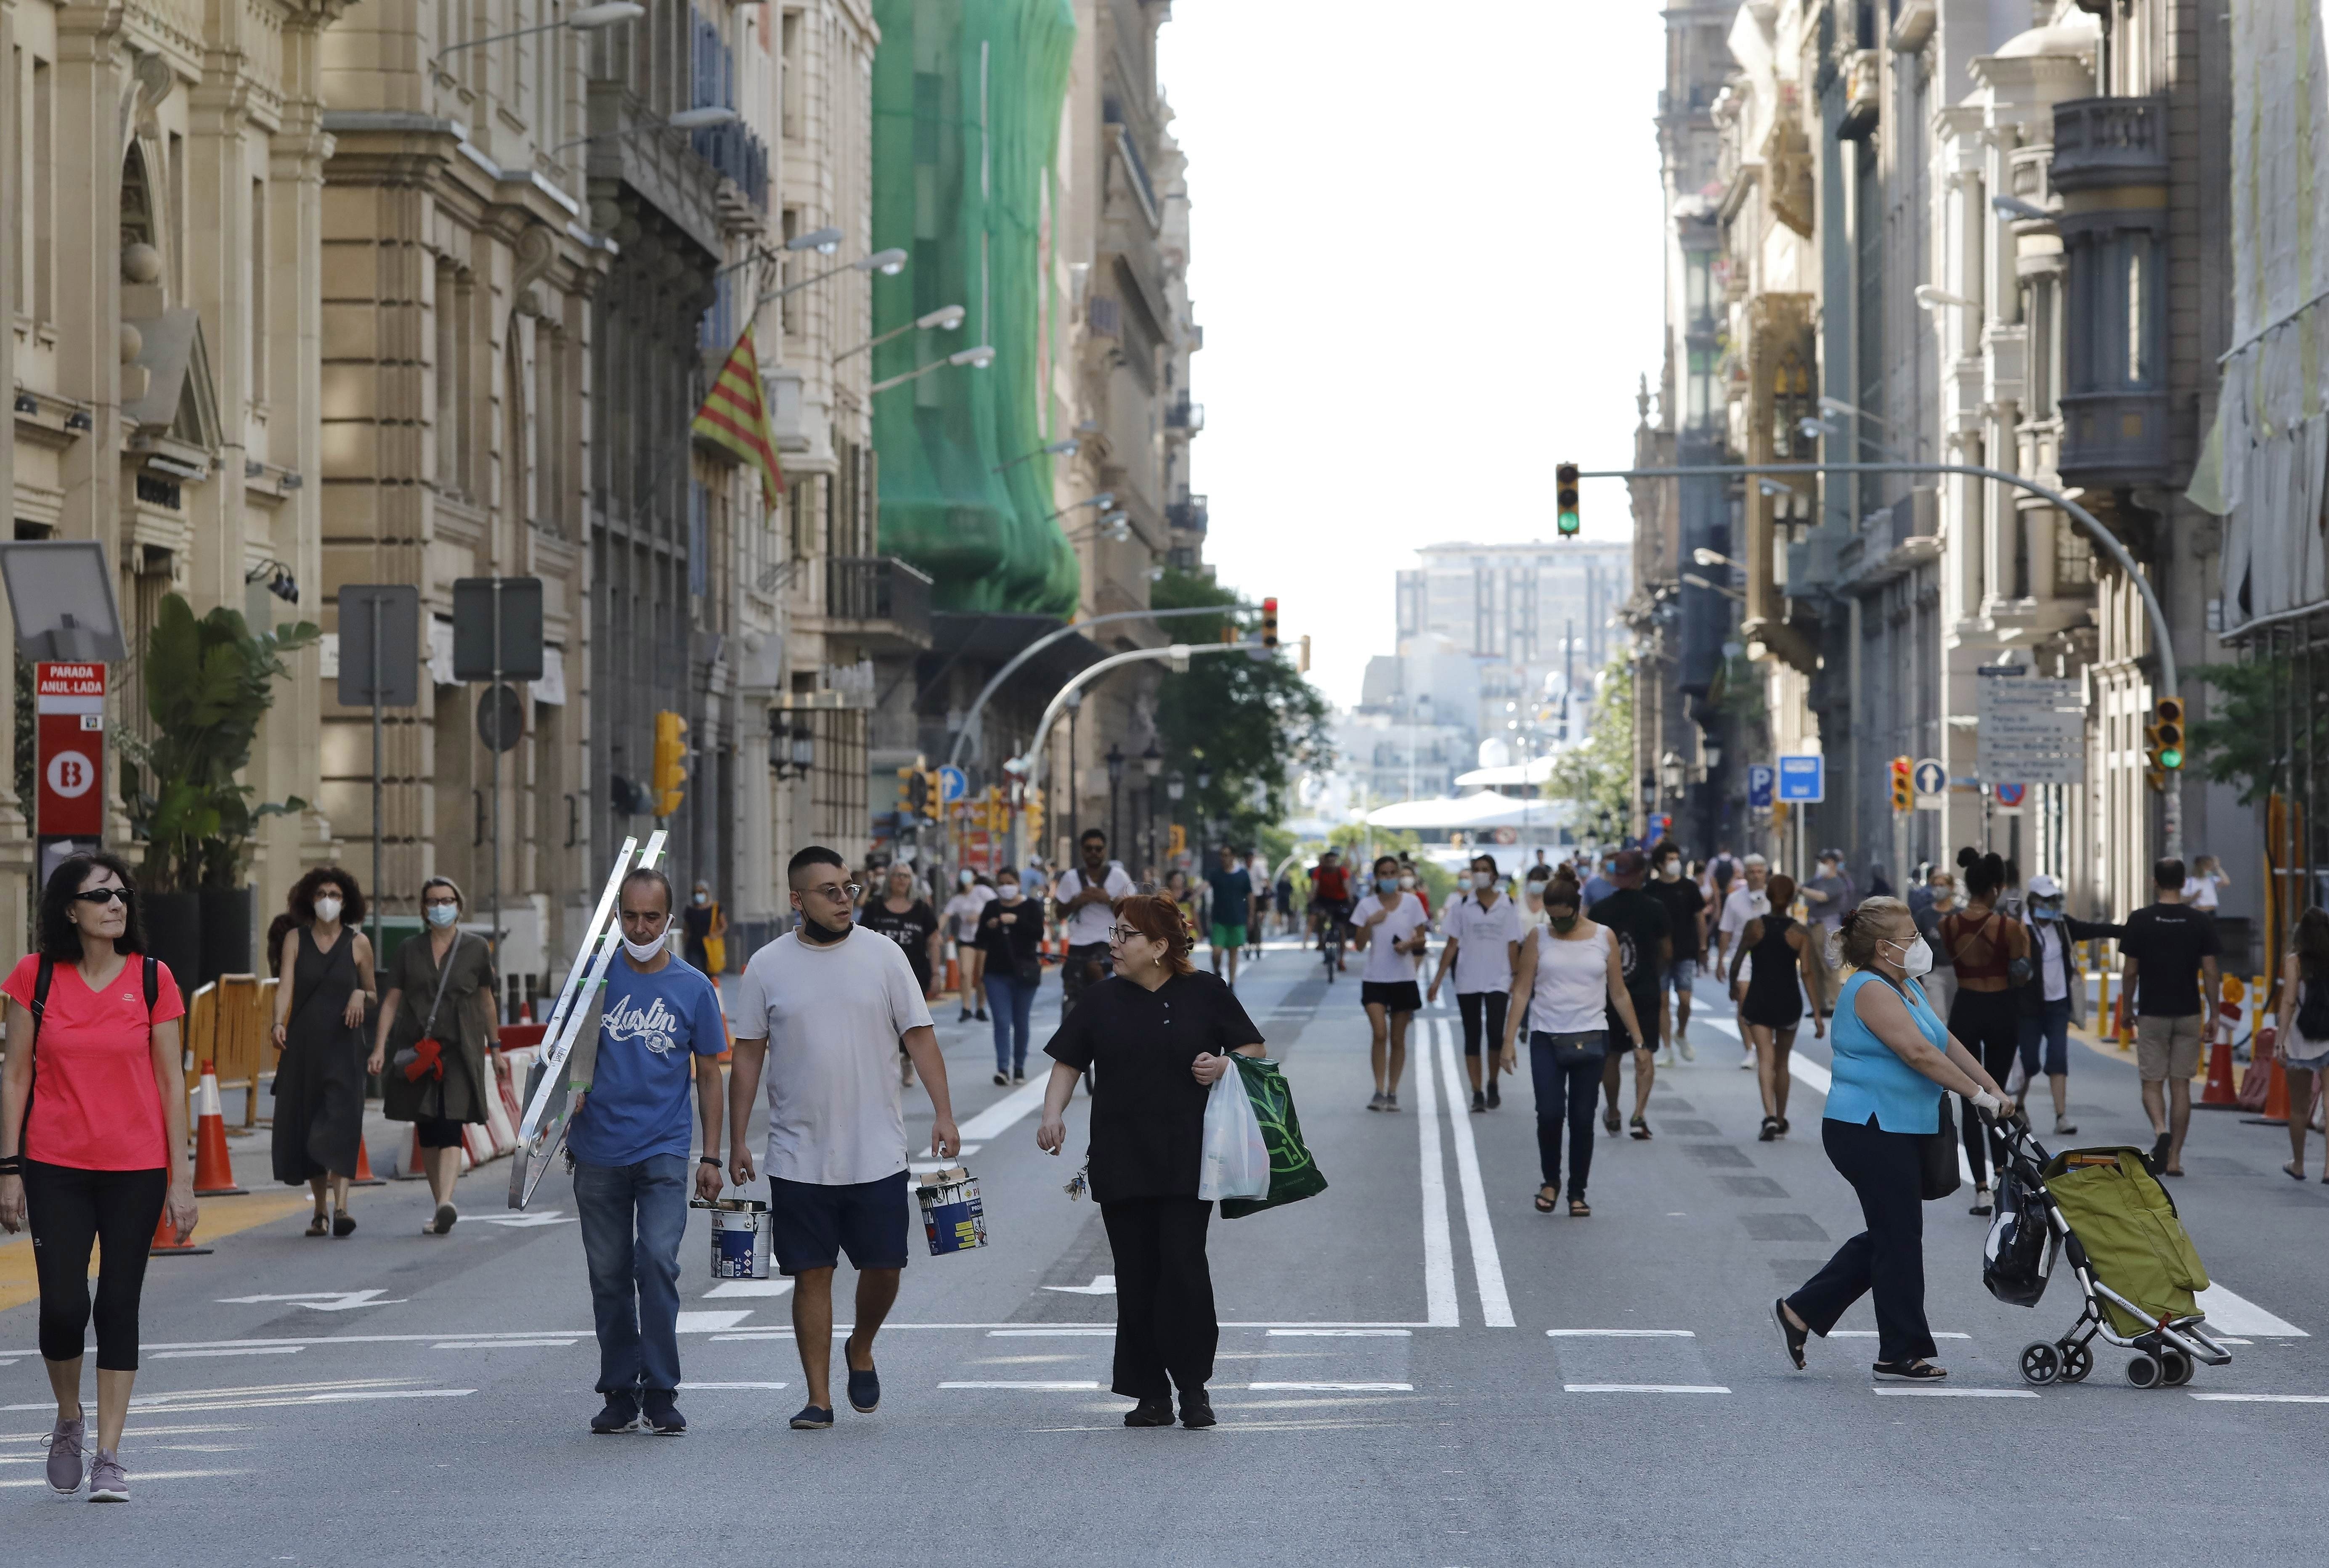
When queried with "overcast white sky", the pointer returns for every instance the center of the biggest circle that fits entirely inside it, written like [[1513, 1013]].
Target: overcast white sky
[[1427, 257]]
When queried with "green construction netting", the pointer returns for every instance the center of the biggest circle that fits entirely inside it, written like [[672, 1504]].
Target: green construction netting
[[966, 101]]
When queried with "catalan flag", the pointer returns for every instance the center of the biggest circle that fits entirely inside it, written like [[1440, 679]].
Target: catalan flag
[[735, 415]]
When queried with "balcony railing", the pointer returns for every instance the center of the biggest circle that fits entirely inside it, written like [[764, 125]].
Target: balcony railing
[[739, 155], [1188, 513], [878, 589], [1186, 415], [2105, 140]]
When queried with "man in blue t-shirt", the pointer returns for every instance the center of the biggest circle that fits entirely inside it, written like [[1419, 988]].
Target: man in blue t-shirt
[[660, 1027], [1232, 901]]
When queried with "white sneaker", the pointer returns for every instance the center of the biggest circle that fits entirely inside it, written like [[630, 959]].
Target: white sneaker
[[1665, 1057], [1747, 1062], [1681, 1044]]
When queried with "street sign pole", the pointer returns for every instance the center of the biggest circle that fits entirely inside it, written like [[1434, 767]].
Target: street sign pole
[[493, 840], [378, 612]]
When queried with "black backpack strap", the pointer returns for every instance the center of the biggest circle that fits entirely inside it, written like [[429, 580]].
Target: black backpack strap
[[153, 985], [41, 980]]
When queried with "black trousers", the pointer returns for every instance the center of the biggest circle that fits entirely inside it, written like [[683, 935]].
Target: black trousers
[[68, 1208], [1472, 1005], [1989, 1023], [1887, 1258], [1164, 1322]]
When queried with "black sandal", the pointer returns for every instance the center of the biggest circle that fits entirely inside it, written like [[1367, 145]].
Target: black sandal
[[1641, 1126], [1917, 1371], [1544, 1200], [1579, 1209], [343, 1223], [1794, 1336], [319, 1226], [1770, 1129]]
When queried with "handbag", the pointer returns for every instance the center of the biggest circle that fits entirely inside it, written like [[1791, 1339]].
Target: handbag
[[1937, 1155], [427, 1055]]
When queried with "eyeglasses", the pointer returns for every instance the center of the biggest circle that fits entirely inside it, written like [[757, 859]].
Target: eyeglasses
[[104, 896], [1119, 935], [841, 893]]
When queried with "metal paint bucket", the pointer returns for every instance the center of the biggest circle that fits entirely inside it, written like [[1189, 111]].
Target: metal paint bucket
[[953, 1217], [740, 1237]]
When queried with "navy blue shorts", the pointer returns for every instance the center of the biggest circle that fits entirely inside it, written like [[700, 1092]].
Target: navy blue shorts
[[811, 1225]]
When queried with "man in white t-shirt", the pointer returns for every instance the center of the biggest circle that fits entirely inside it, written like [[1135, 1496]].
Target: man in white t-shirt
[[1085, 897], [1482, 928], [827, 1007], [1392, 924], [960, 920], [1747, 901]]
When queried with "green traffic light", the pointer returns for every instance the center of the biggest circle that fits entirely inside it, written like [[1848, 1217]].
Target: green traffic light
[[2170, 758], [1569, 522]]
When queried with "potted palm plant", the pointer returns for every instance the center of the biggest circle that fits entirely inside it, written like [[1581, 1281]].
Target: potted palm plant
[[208, 682]]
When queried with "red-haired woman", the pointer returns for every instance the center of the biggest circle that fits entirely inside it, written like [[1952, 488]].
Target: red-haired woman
[[1156, 1034], [326, 981]]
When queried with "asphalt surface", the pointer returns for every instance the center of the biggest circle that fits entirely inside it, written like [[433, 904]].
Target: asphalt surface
[[1416, 1367]]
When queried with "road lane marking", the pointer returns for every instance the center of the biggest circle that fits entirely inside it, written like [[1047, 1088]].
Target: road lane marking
[[711, 1323], [1956, 1392], [204, 1400], [1342, 1333], [2265, 1398], [686, 1387], [1078, 1333], [1031, 1386], [1004, 1113], [1101, 1285], [1871, 1334], [1643, 1388], [143, 1476], [1330, 1387], [731, 1289], [237, 1350], [1438, 1245], [501, 1344], [1619, 1334], [320, 1301], [1479, 1231], [2238, 1315]]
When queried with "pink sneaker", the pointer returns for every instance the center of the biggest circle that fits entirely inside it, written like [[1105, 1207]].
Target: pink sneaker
[[65, 1456], [107, 1483]]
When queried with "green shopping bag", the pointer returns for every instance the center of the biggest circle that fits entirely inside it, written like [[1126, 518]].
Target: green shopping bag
[[1292, 1174]]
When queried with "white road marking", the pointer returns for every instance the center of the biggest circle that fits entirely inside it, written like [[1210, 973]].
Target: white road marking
[[1487, 1267], [2239, 1315], [727, 1289], [1956, 1392], [501, 1344], [1332, 1387], [1342, 1333], [2266, 1398], [711, 1323], [143, 1476], [1101, 1285], [139, 1431], [691, 1387], [262, 1399], [1033, 1388], [1438, 1245], [1643, 1388], [1619, 1334], [239, 1350], [1006, 1112], [1049, 1333], [531, 1220], [1871, 1334], [319, 1301], [919, 1166]]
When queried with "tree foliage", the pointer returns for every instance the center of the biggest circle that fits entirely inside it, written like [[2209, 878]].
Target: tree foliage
[[2239, 742], [1597, 778], [209, 683], [1253, 725]]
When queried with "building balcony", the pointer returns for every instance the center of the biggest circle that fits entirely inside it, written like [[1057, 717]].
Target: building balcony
[[1185, 416], [1188, 513], [740, 157], [878, 603], [2110, 164], [2110, 141]]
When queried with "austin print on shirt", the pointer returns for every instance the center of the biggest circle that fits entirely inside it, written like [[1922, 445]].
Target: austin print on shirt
[[652, 1028]]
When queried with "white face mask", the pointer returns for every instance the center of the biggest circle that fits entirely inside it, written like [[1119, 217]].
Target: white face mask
[[645, 952], [443, 914], [1406, 882], [1915, 959], [967, 878], [1669, 870], [1483, 880], [327, 910]]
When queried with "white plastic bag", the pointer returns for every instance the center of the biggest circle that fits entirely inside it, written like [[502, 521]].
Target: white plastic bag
[[1236, 1160]]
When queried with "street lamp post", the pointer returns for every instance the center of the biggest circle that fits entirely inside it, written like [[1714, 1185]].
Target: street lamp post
[[1152, 763], [1204, 813], [1075, 704], [977, 359], [583, 20], [1173, 792], [686, 119], [1115, 777], [946, 318]]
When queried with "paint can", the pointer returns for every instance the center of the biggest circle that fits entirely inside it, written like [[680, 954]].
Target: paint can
[[740, 1237], [953, 1217]]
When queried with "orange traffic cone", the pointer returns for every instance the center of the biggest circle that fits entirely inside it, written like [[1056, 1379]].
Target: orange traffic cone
[[2221, 1093], [2275, 1098], [363, 1176], [167, 1244], [214, 1171]]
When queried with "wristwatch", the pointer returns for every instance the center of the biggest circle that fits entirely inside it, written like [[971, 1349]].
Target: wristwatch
[[708, 1160]]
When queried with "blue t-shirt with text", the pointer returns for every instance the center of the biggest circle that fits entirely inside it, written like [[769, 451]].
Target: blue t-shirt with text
[[652, 1025]]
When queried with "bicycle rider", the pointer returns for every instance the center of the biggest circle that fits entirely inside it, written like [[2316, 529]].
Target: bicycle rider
[[1330, 897]]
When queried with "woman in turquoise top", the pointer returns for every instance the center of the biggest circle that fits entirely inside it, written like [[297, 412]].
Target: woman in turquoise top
[[1893, 1058]]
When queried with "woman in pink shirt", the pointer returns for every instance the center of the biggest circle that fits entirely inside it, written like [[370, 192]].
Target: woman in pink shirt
[[92, 1142]]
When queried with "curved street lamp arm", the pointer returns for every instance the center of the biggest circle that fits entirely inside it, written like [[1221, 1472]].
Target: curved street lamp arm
[[1176, 652], [978, 704]]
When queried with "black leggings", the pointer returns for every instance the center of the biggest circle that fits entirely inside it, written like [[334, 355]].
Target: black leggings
[[1471, 1004], [1988, 1023], [68, 1209]]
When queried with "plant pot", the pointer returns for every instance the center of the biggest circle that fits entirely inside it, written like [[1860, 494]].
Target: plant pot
[[226, 914], [174, 933]]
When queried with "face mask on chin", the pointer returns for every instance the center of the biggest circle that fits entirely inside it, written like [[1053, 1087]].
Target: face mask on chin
[[645, 952]]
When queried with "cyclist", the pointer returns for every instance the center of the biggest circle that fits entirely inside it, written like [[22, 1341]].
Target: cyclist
[[1330, 897]]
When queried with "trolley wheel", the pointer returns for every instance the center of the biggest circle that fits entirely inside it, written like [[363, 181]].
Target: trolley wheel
[[2145, 1371], [2177, 1368], [2076, 1362], [2041, 1363]]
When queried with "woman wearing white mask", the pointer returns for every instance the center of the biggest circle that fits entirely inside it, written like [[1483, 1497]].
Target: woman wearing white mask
[[438, 1016], [961, 917], [326, 970], [1893, 1059], [1392, 922]]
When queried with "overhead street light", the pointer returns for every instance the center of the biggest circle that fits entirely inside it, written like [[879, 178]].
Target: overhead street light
[[686, 119], [1104, 500], [2015, 207], [1932, 298], [583, 21], [1707, 557], [823, 241], [977, 359], [1056, 449], [1725, 589], [946, 318]]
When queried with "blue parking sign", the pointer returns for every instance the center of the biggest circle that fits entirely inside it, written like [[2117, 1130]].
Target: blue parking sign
[[1803, 780], [1758, 786]]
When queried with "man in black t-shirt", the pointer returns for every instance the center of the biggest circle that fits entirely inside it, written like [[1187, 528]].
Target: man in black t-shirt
[[2170, 952], [1644, 948], [1686, 907]]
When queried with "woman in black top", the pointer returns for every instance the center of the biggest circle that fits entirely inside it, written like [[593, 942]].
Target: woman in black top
[[1156, 1036], [1771, 1006], [1011, 936], [319, 1016]]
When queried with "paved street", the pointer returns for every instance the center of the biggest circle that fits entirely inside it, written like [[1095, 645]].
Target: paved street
[[1416, 1368]]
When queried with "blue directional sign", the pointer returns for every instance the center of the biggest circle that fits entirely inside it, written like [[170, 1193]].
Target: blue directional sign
[[1758, 786], [1931, 778], [952, 785], [1803, 780]]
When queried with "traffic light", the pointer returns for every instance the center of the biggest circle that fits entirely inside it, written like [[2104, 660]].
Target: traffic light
[[1270, 623], [670, 763], [933, 794], [1564, 479], [2167, 733], [913, 791], [1904, 787], [1179, 844], [1033, 809]]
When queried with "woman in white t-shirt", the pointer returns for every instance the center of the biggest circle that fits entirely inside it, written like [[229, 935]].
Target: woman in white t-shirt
[[1571, 980], [1393, 923], [961, 917]]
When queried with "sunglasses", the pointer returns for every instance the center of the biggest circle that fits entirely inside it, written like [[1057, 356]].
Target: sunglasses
[[103, 895], [839, 893]]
